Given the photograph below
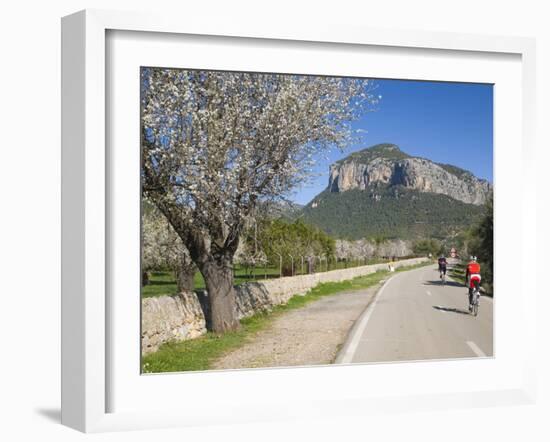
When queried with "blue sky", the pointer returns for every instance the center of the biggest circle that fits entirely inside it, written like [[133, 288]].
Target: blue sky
[[444, 122]]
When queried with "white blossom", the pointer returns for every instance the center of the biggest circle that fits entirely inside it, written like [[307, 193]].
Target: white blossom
[[217, 144]]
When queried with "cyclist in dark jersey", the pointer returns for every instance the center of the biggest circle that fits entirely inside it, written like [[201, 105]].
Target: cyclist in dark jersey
[[442, 261]]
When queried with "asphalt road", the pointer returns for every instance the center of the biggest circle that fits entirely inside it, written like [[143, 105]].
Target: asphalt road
[[415, 317]]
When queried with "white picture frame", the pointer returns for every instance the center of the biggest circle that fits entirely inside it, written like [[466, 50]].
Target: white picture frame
[[86, 317]]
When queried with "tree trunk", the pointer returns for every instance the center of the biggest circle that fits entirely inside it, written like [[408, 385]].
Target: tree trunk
[[218, 277], [310, 266], [185, 278], [287, 270], [144, 278]]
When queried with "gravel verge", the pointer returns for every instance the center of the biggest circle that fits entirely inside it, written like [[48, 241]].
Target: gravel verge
[[310, 335]]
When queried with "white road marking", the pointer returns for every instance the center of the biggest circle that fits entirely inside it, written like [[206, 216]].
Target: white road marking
[[478, 351], [428, 292], [349, 352]]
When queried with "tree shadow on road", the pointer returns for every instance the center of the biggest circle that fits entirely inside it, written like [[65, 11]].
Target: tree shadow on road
[[451, 310]]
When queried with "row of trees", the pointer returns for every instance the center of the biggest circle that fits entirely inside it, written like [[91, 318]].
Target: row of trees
[[480, 244], [280, 242], [270, 242], [294, 246]]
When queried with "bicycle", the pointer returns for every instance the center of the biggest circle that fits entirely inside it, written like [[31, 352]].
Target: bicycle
[[474, 300], [442, 276]]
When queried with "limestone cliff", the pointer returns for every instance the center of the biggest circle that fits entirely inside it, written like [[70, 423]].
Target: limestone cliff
[[386, 165]]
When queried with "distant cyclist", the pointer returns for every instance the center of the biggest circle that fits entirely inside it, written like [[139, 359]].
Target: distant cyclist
[[442, 262], [473, 276]]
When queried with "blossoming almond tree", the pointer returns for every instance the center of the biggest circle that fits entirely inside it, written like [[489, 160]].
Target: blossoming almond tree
[[216, 144]]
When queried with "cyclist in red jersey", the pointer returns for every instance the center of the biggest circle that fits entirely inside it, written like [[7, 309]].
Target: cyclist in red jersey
[[473, 275]]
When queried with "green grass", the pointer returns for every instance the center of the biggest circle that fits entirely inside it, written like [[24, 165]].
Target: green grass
[[200, 353], [164, 283], [160, 283]]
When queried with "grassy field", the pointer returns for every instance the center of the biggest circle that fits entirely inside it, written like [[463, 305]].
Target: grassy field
[[199, 353], [164, 283]]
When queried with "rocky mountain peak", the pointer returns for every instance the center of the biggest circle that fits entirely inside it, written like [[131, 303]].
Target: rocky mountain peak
[[387, 165], [384, 150]]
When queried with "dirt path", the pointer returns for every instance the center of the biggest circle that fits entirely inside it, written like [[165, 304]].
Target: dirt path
[[310, 335]]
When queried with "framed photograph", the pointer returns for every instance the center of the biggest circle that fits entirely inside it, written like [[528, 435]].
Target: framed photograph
[[252, 213]]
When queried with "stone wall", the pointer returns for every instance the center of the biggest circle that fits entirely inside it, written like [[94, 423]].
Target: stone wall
[[181, 317], [166, 318]]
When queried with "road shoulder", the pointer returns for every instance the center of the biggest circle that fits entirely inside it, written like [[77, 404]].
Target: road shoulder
[[311, 335]]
